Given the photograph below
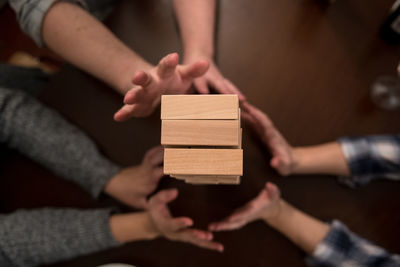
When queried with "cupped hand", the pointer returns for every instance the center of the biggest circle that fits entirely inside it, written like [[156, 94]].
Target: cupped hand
[[168, 77], [282, 152], [132, 185], [265, 206], [177, 229]]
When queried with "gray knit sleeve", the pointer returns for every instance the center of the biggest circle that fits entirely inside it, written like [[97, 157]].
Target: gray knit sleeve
[[43, 135], [44, 236]]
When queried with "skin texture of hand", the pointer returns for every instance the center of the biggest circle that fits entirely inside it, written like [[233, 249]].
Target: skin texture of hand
[[168, 77], [214, 78], [283, 158], [177, 229], [265, 206], [132, 185]]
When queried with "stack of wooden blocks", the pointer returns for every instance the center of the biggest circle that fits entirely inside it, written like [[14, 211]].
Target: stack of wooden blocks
[[202, 138]]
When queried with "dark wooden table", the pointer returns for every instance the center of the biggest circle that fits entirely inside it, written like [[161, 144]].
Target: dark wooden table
[[307, 65]]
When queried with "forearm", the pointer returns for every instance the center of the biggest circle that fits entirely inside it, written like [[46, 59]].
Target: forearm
[[43, 135], [44, 236], [196, 19], [321, 159], [302, 229], [82, 40], [132, 227]]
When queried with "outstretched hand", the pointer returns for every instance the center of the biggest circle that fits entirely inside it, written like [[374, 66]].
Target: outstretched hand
[[282, 152], [265, 206], [168, 77], [177, 229], [132, 185]]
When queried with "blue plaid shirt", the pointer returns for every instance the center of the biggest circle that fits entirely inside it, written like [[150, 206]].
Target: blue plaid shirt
[[372, 157]]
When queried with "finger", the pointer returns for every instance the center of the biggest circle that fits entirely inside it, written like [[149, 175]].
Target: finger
[[246, 116], [153, 152], [226, 226], [273, 191], [191, 236], [166, 66], [134, 95], [194, 70], [129, 111], [157, 158], [158, 173], [275, 163], [142, 78], [201, 86], [176, 224], [259, 116], [163, 197], [235, 90], [249, 119], [123, 113]]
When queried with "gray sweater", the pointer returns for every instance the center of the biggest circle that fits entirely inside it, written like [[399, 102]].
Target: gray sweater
[[42, 236]]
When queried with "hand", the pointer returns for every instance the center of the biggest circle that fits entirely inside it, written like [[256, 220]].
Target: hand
[[132, 185], [214, 78], [265, 206], [177, 229], [283, 159], [166, 78]]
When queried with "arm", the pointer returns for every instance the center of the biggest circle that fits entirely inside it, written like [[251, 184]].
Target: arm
[[326, 158], [44, 236], [44, 136], [357, 160], [328, 245], [158, 222], [304, 230], [82, 40], [196, 21]]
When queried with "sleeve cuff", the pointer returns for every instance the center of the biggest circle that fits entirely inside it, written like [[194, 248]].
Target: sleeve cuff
[[31, 15], [356, 151]]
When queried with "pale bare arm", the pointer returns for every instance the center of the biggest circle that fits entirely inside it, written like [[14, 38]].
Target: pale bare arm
[[196, 19], [82, 40], [320, 159], [302, 229]]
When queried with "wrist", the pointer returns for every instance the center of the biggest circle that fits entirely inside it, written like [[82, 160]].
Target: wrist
[[193, 55], [279, 215], [298, 154], [132, 226]]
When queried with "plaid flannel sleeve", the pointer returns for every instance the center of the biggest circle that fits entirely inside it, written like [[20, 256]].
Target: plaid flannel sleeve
[[371, 157], [341, 247]]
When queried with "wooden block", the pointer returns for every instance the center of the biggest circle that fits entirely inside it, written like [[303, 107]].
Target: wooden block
[[240, 137], [200, 132], [199, 107], [203, 161], [213, 180]]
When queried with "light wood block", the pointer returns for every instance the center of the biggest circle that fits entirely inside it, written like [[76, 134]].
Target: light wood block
[[208, 179], [214, 180], [200, 132], [199, 107], [203, 161]]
